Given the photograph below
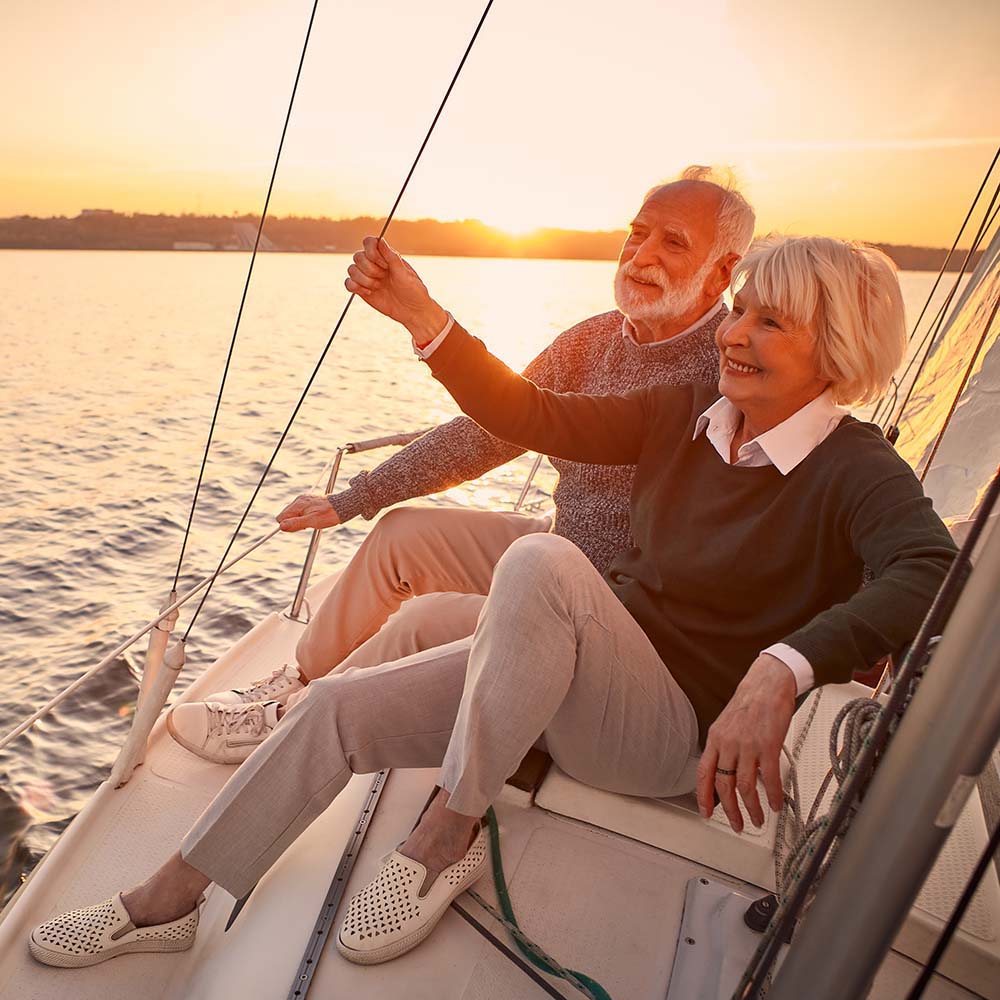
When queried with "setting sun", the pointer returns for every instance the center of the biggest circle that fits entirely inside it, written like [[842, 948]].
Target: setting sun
[[828, 127]]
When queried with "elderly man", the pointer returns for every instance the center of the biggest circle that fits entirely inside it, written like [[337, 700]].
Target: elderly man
[[673, 268]]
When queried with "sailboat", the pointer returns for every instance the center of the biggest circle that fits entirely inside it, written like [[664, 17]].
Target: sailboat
[[643, 896]]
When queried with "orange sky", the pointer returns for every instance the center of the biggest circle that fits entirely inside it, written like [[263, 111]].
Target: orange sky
[[869, 119]]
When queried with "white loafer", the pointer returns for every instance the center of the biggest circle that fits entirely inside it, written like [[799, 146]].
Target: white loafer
[[224, 734], [389, 917], [94, 934], [278, 686]]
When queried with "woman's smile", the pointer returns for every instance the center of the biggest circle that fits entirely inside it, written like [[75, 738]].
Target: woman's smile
[[737, 368]]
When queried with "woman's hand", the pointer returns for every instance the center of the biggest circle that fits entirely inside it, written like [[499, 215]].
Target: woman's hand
[[387, 283], [308, 511], [747, 738]]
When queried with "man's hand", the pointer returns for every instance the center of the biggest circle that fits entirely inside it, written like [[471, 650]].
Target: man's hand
[[387, 283], [308, 511], [745, 738]]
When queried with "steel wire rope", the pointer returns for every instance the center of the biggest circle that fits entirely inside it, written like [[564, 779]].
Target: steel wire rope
[[923, 352], [930, 337], [893, 415], [243, 297], [956, 916], [343, 314], [845, 799], [961, 388], [937, 280]]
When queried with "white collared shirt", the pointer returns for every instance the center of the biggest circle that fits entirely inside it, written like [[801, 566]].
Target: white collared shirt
[[783, 446]]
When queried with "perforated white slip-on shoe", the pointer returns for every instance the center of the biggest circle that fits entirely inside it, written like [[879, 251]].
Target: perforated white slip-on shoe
[[388, 917], [224, 734], [93, 934], [279, 686]]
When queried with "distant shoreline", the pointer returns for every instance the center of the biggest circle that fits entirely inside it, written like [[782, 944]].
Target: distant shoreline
[[99, 229]]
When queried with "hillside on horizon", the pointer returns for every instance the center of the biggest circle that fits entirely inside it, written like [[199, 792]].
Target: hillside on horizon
[[104, 229]]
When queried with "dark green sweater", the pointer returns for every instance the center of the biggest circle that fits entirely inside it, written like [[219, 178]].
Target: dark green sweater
[[728, 560]]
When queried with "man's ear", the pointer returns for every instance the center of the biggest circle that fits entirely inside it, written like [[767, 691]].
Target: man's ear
[[722, 273]]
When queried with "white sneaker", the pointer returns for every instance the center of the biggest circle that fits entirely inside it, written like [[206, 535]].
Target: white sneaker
[[278, 686], [225, 734]]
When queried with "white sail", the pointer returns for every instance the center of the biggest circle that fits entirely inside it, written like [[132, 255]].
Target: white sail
[[969, 451]]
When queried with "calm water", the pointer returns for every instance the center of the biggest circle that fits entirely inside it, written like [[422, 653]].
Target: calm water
[[110, 364]]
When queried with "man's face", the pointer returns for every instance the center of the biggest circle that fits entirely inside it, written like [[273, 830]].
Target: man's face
[[665, 259]]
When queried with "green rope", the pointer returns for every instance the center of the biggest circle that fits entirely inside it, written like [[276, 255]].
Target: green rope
[[500, 882]]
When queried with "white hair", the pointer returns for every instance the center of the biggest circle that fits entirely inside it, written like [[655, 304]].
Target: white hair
[[735, 220], [847, 294]]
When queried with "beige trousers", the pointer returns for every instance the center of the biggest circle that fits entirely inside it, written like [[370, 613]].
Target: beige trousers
[[443, 557], [554, 655]]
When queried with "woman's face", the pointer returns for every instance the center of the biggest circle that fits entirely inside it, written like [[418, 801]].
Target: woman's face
[[767, 364]]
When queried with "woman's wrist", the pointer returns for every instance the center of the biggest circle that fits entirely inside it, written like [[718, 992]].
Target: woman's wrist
[[425, 325]]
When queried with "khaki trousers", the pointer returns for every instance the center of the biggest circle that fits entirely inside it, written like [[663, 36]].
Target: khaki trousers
[[555, 655], [445, 557]]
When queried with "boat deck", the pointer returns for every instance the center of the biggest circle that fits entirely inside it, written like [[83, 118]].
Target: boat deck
[[598, 880]]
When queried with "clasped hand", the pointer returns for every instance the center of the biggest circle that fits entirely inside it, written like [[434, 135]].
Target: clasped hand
[[389, 284], [746, 739]]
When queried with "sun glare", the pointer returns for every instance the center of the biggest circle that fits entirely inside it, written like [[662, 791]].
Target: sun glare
[[519, 229], [561, 127]]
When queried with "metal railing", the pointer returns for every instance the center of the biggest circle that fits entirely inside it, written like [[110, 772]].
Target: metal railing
[[352, 448]]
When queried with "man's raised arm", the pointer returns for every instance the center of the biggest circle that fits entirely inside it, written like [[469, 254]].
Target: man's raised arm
[[451, 454]]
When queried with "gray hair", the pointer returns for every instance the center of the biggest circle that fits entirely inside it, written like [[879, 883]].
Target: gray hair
[[736, 218], [847, 293]]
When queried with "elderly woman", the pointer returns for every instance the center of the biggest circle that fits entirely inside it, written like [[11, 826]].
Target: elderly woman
[[755, 510]]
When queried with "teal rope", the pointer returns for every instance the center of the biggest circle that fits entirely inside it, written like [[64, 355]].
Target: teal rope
[[500, 882]]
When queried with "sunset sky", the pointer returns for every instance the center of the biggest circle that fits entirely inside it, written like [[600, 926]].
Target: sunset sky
[[873, 119]]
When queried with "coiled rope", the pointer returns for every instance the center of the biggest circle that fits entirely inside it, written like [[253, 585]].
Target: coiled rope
[[868, 738]]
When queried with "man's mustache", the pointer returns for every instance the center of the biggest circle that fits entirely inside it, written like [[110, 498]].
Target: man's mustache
[[652, 274]]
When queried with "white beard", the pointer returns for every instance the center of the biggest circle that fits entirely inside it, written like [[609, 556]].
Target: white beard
[[673, 300]]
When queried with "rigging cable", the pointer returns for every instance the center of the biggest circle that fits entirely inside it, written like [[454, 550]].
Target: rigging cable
[[956, 917], [243, 297], [944, 266], [343, 314], [844, 803], [961, 388], [930, 337]]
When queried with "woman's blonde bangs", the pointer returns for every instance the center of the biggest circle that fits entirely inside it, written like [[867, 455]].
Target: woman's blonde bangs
[[781, 279]]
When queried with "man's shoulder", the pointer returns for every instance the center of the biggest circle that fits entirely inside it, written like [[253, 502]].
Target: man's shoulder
[[604, 328]]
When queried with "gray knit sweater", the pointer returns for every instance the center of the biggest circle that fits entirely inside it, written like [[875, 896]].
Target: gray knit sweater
[[592, 501]]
